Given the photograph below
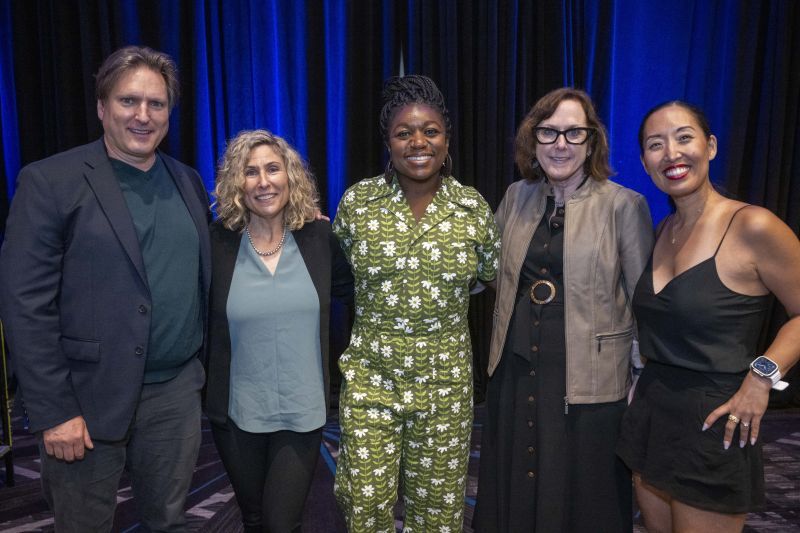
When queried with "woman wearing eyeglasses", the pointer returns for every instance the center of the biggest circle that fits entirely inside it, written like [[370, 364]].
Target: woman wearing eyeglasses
[[574, 246]]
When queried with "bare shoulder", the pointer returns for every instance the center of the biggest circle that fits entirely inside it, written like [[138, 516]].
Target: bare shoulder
[[759, 253], [761, 228], [774, 250]]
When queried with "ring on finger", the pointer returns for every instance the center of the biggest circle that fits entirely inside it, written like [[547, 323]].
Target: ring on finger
[[733, 418], [745, 425]]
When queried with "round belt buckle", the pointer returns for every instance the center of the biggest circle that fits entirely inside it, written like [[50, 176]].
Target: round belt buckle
[[549, 298]]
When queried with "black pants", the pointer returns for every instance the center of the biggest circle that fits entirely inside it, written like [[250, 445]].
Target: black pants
[[159, 452], [271, 474]]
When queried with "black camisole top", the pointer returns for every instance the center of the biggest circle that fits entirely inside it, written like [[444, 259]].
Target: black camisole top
[[696, 322]]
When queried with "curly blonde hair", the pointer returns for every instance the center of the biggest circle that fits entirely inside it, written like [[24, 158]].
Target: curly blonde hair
[[229, 189]]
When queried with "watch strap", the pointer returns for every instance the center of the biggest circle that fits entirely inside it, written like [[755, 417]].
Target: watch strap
[[780, 385]]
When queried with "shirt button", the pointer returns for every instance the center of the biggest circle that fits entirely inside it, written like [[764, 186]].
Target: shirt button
[[545, 245], [530, 398], [535, 322], [139, 351], [532, 373], [530, 450], [555, 225], [531, 474], [535, 348], [142, 309], [530, 423], [543, 270]]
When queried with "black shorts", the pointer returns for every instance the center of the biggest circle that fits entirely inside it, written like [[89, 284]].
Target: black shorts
[[662, 439]]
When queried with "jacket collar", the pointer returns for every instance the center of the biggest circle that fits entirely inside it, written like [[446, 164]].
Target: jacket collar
[[589, 187], [446, 201], [102, 180]]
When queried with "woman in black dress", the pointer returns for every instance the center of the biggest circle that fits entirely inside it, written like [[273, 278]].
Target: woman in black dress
[[691, 432], [574, 245]]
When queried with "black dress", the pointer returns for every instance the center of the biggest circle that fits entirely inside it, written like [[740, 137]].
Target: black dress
[[699, 337], [544, 466]]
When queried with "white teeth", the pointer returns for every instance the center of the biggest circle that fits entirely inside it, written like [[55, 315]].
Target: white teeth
[[675, 171], [419, 157]]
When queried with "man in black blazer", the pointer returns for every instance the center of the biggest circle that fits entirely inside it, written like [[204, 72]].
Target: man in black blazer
[[104, 277]]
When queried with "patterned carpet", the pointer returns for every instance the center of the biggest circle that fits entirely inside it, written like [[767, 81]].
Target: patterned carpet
[[212, 508]]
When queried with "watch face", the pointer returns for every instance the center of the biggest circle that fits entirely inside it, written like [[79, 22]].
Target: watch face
[[764, 366]]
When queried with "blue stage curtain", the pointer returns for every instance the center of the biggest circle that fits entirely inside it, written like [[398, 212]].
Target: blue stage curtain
[[9, 158], [491, 61], [300, 69], [737, 61], [247, 71], [312, 71]]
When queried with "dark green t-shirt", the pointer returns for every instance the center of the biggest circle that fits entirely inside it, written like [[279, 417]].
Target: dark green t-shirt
[[171, 253]]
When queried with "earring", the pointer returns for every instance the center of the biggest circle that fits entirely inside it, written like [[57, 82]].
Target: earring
[[447, 166], [534, 163]]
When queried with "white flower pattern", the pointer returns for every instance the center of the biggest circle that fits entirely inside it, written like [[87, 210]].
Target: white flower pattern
[[410, 352]]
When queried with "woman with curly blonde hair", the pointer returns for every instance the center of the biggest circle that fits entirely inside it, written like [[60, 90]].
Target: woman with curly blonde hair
[[231, 179], [275, 269]]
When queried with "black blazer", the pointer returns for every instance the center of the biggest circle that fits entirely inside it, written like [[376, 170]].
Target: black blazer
[[329, 271], [73, 290]]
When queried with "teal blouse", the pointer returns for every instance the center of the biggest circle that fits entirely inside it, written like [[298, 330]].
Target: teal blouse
[[276, 378]]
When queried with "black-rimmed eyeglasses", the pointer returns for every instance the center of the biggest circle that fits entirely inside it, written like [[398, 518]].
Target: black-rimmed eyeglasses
[[572, 135]]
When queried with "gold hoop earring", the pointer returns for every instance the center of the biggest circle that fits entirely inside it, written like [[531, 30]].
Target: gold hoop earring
[[447, 166]]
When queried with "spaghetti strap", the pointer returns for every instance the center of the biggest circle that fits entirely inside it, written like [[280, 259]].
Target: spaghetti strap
[[729, 227], [663, 226]]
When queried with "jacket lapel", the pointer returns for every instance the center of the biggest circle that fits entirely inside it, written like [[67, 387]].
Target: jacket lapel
[[533, 206], [100, 176], [313, 255], [519, 229], [226, 249]]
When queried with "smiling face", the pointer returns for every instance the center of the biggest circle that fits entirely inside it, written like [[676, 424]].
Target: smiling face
[[135, 117], [266, 183], [676, 152], [562, 161], [417, 143]]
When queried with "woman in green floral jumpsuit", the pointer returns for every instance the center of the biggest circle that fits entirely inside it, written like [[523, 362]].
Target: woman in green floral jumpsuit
[[416, 240]]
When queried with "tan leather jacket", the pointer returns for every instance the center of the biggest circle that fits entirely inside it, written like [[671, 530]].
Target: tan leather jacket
[[607, 243]]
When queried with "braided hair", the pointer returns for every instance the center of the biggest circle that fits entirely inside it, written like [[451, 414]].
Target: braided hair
[[412, 89], [400, 91]]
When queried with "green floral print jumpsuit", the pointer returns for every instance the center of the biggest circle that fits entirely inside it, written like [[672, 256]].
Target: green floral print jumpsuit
[[406, 398]]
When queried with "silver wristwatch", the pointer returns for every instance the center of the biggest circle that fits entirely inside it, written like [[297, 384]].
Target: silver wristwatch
[[767, 368]]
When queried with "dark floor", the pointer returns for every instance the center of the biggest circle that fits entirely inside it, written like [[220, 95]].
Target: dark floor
[[211, 507]]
